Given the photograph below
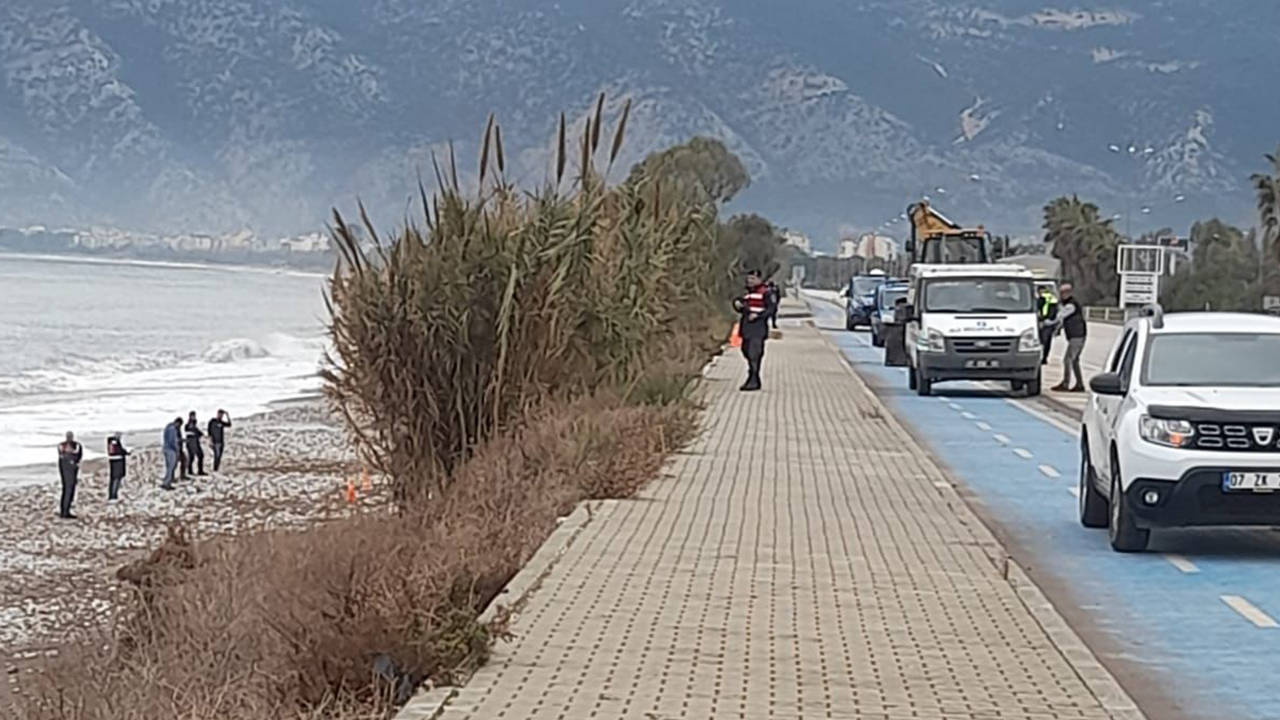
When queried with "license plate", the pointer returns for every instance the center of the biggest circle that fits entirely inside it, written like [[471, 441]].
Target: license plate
[[1251, 482], [981, 364]]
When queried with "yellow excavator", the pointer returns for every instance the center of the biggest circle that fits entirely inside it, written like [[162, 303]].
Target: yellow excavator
[[936, 240]]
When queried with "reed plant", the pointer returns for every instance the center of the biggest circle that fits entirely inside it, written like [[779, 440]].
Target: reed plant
[[498, 301]]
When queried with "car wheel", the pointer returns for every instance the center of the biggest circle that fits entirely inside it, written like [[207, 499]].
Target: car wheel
[[1033, 387], [1017, 385], [911, 378], [1093, 504], [1124, 534], [923, 385]]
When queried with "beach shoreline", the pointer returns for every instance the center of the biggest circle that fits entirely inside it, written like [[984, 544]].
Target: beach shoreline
[[15, 476], [287, 468]]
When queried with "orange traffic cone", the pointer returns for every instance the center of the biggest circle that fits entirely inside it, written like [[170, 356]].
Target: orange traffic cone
[[351, 491], [366, 484], [735, 336]]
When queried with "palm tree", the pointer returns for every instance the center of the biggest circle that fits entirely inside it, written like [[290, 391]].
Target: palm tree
[[1086, 245], [1268, 189]]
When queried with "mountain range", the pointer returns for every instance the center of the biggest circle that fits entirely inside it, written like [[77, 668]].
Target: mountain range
[[217, 115]]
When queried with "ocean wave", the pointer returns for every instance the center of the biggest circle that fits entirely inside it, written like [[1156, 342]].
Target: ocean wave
[[74, 372], [234, 351]]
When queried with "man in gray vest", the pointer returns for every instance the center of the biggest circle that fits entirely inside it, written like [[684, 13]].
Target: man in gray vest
[[1071, 318]]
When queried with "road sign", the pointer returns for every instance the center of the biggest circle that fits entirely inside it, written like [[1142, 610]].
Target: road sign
[[1139, 288]]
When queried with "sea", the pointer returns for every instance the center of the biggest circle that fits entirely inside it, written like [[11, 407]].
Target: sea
[[97, 346]]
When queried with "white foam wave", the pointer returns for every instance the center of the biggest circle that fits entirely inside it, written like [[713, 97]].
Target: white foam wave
[[132, 394], [233, 350]]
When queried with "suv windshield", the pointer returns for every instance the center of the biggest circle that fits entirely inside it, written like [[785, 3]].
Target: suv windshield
[[866, 285], [978, 295], [1213, 359], [891, 295]]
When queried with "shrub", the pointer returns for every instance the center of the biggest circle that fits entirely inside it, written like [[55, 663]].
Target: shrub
[[449, 332]]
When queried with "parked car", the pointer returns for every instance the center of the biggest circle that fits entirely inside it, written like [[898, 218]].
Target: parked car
[[860, 299], [887, 295], [1183, 428]]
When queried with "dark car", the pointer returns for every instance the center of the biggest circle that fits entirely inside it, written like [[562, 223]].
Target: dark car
[[887, 295], [860, 300]]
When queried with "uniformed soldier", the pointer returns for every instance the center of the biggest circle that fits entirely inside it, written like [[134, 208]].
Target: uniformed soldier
[[754, 307]]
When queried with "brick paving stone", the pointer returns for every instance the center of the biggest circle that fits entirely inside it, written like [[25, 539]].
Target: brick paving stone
[[798, 563]]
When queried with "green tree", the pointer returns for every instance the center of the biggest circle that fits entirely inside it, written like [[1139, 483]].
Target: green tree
[[1223, 273], [1267, 187], [758, 244], [1086, 244], [701, 170]]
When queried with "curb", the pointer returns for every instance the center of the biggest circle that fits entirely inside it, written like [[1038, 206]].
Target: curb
[[429, 703], [1096, 678], [1115, 701]]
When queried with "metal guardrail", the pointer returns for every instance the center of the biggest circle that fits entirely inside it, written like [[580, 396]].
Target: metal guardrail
[[1110, 315]]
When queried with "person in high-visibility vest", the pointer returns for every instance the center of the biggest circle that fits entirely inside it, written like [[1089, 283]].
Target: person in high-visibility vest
[[1047, 315]]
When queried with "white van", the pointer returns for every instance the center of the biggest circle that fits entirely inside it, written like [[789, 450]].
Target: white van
[[972, 322]]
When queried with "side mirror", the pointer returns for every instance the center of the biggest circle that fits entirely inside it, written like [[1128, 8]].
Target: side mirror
[[845, 293], [1107, 384], [903, 314]]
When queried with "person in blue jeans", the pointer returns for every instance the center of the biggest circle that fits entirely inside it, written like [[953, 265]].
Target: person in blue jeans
[[172, 444]]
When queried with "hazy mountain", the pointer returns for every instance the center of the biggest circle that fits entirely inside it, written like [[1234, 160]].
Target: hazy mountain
[[217, 114]]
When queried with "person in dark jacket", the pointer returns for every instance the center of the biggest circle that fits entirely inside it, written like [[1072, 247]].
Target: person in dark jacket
[[754, 308], [1071, 318], [69, 455], [195, 453], [116, 454], [217, 436], [172, 451]]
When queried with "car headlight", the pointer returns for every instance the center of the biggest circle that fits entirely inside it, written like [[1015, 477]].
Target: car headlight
[[1170, 433], [1029, 341], [931, 341]]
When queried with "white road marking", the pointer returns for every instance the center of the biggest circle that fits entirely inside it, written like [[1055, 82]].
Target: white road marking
[[1182, 564], [955, 407], [1023, 453], [1074, 491], [968, 416], [1002, 439], [1028, 409], [1249, 611], [984, 427], [941, 484], [1050, 471]]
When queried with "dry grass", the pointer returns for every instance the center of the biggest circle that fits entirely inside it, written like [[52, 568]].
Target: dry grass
[[344, 619]]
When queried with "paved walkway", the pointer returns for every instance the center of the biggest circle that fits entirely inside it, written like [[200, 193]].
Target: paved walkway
[[805, 559]]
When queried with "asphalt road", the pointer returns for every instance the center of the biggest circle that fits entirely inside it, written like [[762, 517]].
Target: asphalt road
[[1190, 628]]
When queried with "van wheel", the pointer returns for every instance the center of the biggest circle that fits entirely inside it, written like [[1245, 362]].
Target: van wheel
[[1124, 534], [1093, 504], [911, 378], [1033, 387], [923, 385]]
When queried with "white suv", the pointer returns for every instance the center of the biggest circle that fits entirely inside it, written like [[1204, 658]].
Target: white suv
[[1183, 428]]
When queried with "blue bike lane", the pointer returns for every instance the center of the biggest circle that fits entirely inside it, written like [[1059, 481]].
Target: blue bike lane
[[1188, 628]]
